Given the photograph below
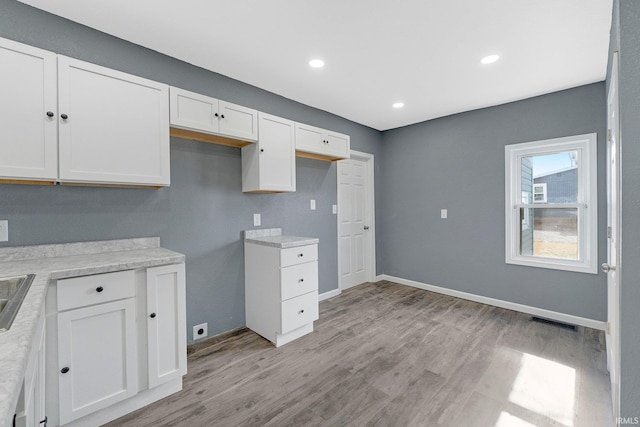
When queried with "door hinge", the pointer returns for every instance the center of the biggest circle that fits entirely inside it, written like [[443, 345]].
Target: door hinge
[[609, 135], [608, 328], [608, 232]]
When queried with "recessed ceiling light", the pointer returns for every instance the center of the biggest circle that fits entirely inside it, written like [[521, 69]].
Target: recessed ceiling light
[[490, 59], [316, 63], [398, 105]]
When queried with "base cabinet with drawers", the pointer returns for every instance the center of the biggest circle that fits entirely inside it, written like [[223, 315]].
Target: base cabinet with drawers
[[281, 291], [117, 341]]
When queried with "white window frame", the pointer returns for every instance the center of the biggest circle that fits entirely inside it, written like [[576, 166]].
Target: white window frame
[[586, 205], [543, 185]]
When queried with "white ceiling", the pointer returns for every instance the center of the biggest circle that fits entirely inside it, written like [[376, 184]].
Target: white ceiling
[[425, 53]]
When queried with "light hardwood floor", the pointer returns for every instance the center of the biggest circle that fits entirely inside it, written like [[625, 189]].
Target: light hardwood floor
[[385, 354]]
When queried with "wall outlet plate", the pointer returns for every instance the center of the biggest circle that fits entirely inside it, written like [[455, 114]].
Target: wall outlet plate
[[312, 205], [443, 213], [4, 230], [200, 331], [257, 220]]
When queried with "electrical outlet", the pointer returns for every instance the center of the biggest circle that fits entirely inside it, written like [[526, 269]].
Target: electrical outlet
[[4, 230], [443, 213], [257, 220], [334, 209], [312, 205], [200, 331]]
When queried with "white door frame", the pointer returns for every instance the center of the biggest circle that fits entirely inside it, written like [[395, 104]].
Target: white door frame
[[370, 215], [613, 276]]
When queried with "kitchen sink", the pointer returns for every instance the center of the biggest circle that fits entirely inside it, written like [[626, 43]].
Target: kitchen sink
[[12, 293]]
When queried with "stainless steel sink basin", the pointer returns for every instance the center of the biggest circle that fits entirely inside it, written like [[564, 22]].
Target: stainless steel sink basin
[[12, 293]]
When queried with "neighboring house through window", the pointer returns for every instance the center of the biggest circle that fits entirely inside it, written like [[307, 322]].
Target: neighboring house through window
[[551, 203]]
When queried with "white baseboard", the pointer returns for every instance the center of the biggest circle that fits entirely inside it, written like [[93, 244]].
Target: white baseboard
[[535, 311], [330, 294]]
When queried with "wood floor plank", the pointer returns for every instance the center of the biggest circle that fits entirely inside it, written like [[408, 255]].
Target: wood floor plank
[[384, 354]]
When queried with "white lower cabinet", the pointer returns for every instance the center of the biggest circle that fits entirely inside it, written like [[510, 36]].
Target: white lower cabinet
[[30, 410], [97, 354], [118, 343], [281, 291]]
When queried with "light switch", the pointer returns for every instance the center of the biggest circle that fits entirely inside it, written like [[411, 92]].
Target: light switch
[[334, 209], [4, 230], [443, 213], [313, 205], [257, 220]]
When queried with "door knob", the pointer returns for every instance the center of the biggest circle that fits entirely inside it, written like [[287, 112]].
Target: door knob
[[366, 227], [607, 268]]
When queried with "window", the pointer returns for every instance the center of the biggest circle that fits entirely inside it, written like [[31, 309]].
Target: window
[[551, 204]]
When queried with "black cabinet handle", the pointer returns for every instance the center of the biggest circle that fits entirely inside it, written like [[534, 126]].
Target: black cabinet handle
[[50, 114], [64, 370], [216, 114], [152, 315], [99, 289], [45, 421], [222, 116], [64, 116]]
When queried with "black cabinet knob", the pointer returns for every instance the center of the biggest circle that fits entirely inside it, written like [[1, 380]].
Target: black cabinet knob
[[300, 255], [222, 116], [99, 289], [49, 113], [262, 150], [301, 280], [216, 114], [64, 370], [301, 311], [152, 315], [64, 116]]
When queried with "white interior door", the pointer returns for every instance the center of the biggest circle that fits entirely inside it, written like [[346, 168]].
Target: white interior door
[[355, 220], [613, 234]]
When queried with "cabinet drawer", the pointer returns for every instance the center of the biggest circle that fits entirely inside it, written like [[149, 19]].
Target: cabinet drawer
[[298, 255], [299, 311], [298, 279], [96, 289]]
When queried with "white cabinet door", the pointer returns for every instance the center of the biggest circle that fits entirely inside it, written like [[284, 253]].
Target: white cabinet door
[[269, 165], [309, 138], [166, 323], [327, 145], [97, 357], [190, 110], [113, 127], [238, 122], [28, 113]]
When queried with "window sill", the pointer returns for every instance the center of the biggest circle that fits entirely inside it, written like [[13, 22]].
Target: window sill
[[554, 264]]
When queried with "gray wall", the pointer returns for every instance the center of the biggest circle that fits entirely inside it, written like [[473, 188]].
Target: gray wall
[[204, 210], [625, 37], [457, 162]]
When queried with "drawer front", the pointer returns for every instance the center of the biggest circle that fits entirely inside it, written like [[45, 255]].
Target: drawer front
[[298, 279], [299, 311], [298, 255], [96, 289]]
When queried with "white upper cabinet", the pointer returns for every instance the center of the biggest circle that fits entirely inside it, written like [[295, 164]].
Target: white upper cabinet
[[113, 127], [270, 165], [322, 144], [28, 113], [194, 112]]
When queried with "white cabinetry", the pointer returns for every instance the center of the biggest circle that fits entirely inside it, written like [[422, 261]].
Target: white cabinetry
[[28, 107], [30, 410], [316, 143], [166, 324], [281, 291], [97, 353], [118, 343], [270, 165], [79, 123], [198, 114], [113, 126]]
